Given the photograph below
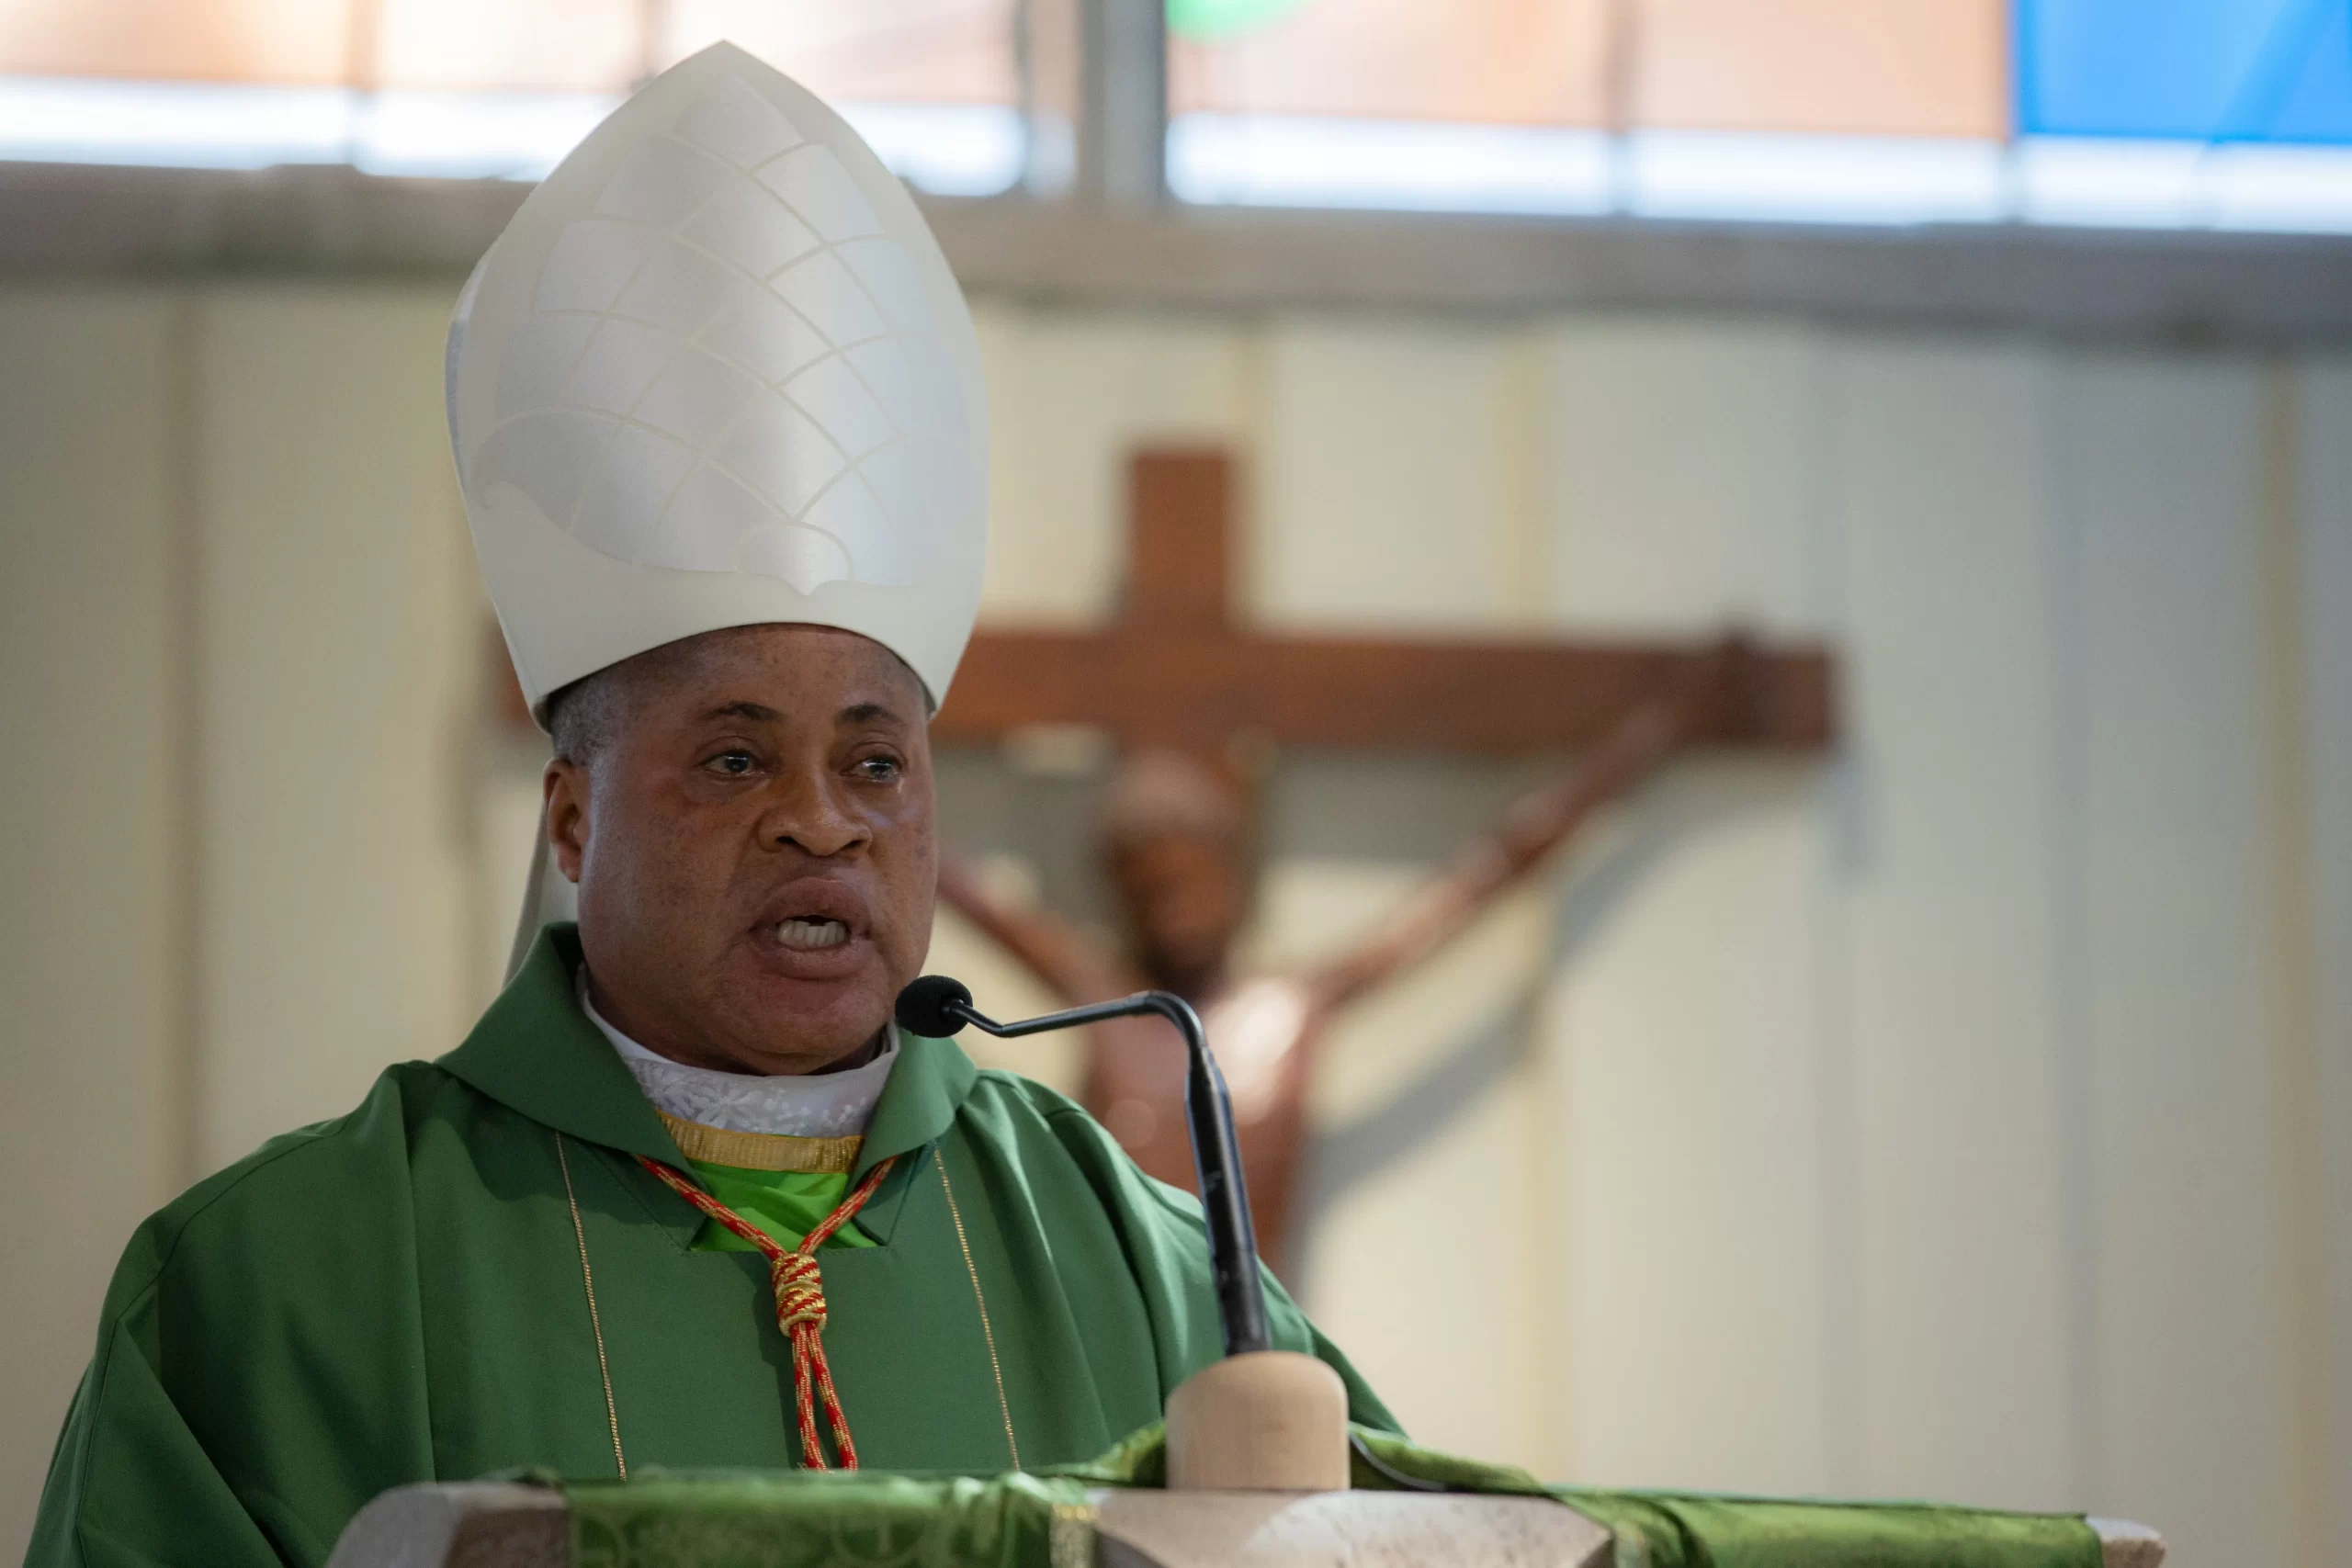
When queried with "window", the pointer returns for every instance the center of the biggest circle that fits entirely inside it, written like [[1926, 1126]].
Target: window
[[475, 87], [1886, 67], [2154, 113], [2276, 70], [2188, 113]]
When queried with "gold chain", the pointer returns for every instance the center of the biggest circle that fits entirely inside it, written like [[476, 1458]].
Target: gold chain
[[595, 1324], [1003, 1406]]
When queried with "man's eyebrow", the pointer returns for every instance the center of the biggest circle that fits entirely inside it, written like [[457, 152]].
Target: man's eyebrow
[[760, 713], [757, 712]]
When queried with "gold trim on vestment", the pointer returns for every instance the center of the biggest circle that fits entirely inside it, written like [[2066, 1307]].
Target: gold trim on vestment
[[987, 1335], [596, 1324], [761, 1151]]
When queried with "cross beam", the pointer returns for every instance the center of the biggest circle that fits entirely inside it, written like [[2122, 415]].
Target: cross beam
[[1176, 669]]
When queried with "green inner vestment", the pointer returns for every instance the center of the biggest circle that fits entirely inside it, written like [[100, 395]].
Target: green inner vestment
[[786, 1204], [396, 1296]]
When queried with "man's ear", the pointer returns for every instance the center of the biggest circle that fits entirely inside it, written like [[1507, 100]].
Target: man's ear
[[565, 790]]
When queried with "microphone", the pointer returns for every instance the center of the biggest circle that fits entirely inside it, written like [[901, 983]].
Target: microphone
[[937, 1007], [923, 1006]]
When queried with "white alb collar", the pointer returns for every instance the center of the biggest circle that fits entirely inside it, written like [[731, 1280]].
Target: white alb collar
[[817, 1105]]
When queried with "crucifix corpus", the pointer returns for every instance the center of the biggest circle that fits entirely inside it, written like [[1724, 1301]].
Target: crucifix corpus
[[1193, 698]]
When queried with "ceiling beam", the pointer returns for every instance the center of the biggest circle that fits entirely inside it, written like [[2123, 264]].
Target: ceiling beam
[[2173, 286]]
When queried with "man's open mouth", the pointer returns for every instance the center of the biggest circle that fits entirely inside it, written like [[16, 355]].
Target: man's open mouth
[[806, 933]]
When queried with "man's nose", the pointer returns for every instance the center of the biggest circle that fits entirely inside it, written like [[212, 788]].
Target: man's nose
[[809, 815]]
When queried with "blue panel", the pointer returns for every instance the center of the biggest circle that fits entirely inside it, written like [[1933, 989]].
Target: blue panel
[[2196, 69]]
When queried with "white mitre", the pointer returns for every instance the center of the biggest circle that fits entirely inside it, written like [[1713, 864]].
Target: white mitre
[[717, 373]]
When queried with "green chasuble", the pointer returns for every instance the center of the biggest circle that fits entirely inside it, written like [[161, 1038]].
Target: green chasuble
[[397, 1296]]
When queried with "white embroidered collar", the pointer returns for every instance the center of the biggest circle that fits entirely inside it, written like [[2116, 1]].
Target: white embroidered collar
[[817, 1105]]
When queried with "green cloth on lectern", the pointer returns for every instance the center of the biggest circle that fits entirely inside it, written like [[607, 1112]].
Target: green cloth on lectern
[[1684, 1529], [1695, 1529], [396, 1296], [804, 1520]]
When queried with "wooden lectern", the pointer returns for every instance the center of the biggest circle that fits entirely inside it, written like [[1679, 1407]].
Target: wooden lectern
[[489, 1525]]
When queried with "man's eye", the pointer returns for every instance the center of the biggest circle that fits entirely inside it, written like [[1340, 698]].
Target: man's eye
[[734, 764], [880, 769]]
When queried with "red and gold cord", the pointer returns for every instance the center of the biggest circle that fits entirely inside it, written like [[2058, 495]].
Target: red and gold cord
[[799, 1303]]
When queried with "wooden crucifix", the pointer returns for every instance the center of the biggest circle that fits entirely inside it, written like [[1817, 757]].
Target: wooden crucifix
[[1190, 694]]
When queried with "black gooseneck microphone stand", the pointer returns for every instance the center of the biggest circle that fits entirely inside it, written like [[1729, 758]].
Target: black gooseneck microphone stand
[[937, 1007]]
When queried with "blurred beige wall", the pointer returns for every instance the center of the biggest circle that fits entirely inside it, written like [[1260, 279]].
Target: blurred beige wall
[[1968, 1116], [243, 639], [94, 834]]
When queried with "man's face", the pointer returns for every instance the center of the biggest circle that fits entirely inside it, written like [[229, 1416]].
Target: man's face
[[752, 841]]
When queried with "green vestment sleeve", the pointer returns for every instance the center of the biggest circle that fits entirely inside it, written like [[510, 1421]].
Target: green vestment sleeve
[[220, 1419], [163, 1487]]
